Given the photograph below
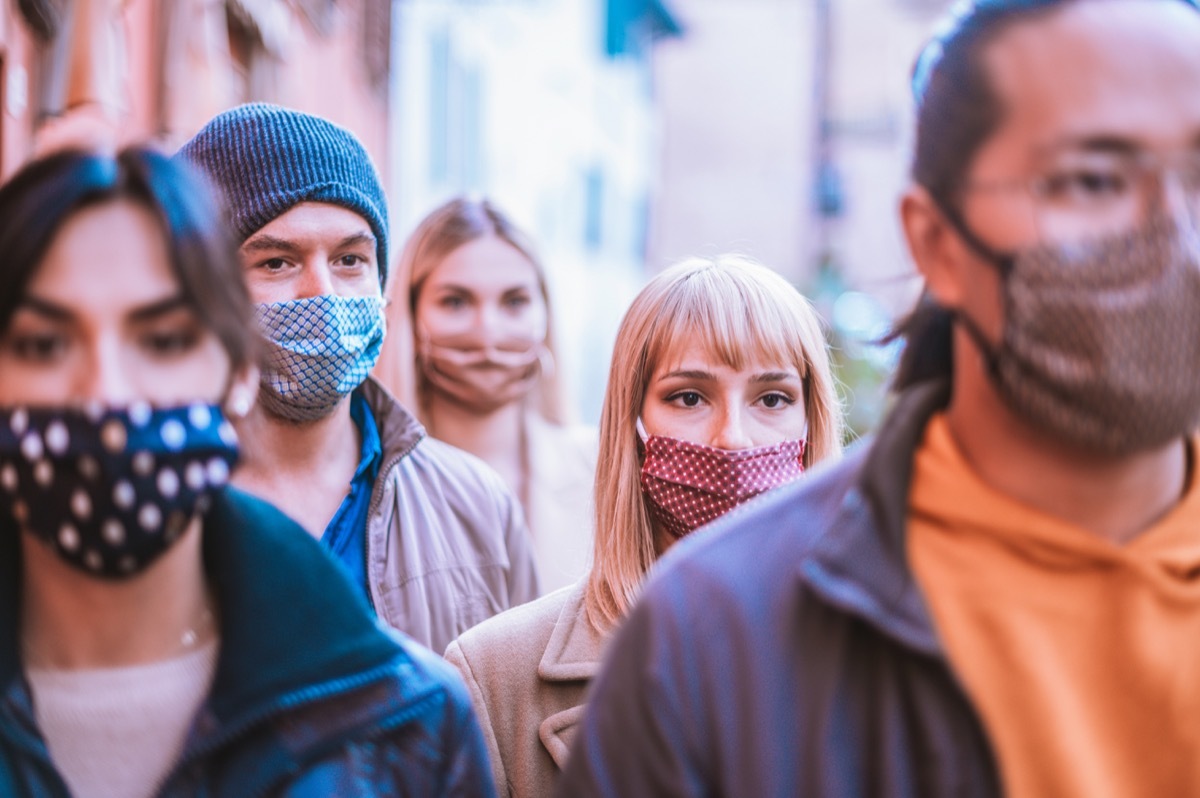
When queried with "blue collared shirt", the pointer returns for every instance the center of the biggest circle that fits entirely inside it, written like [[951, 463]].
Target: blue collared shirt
[[346, 533]]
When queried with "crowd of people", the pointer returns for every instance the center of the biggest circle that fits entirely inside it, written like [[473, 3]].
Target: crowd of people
[[235, 563]]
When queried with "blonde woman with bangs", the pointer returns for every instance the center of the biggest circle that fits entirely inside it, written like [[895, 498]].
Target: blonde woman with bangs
[[719, 390]]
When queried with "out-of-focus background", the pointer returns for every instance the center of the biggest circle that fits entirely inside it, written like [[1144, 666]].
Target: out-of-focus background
[[622, 134]]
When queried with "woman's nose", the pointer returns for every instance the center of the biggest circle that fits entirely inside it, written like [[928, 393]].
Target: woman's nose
[[105, 377], [731, 432]]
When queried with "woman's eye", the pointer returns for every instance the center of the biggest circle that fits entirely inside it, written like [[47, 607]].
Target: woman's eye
[[774, 400], [170, 343], [686, 398], [37, 348], [452, 302], [517, 302]]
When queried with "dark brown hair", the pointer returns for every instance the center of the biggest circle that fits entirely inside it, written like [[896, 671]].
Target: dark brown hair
[[39, 199]]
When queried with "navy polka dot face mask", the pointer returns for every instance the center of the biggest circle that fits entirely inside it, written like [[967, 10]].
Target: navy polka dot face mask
[[110, 489]]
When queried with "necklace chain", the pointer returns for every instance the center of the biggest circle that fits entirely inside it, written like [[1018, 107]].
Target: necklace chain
[[191, 637]]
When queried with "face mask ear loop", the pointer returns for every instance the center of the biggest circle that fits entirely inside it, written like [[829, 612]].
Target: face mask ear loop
[[1002, 262], [641, 430], [991, 355]]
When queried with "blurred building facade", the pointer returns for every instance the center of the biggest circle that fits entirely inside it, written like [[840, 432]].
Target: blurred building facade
[[777, 128], [546, 107], [113, 71], [785, 135]]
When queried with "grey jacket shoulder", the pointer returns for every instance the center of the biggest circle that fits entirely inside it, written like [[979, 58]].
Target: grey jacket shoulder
[[447, 544]]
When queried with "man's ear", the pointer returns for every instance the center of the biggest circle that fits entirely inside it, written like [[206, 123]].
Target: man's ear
[[934, 245], [243, 392]]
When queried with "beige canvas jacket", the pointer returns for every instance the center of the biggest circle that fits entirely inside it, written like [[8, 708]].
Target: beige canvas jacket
[[446, 543], [527, 671]]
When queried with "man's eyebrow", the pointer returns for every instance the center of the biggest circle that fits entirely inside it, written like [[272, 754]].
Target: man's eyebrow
[[356, 240], [1102, 143], [263, 242]]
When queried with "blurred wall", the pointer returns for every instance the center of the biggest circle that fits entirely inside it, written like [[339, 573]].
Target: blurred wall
[[127, 70], [740, 104]]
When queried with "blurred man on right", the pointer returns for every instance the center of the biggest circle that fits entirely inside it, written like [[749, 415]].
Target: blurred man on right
[[999, 593]]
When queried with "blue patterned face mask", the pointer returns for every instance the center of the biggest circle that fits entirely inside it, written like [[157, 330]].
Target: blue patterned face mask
[[110, 489], [321, 349]]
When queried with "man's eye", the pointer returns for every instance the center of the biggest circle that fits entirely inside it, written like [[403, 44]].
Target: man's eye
[[37, 348], [351, 261], [1086, 184], [273, 265]]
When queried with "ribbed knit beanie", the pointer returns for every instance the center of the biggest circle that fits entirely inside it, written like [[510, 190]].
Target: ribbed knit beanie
[[266, 159]]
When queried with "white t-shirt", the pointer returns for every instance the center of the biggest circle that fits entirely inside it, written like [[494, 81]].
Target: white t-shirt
[[118, 732]]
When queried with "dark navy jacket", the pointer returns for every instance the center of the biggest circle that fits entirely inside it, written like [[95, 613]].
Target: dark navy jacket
[[310, 696], [787, 651]]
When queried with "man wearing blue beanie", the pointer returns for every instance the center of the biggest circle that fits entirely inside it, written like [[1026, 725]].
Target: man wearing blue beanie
[[433, 537]]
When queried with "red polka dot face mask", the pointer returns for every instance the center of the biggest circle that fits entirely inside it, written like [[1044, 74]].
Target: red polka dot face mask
[[690, 485]]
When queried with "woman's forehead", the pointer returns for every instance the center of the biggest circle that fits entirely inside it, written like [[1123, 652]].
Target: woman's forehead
[[107, 256]]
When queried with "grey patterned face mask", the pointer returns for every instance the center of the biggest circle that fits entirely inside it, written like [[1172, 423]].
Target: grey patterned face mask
[[320, 349], [1101, 344]]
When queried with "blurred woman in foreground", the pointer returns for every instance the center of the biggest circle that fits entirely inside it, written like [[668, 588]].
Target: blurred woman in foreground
[[161, 633]]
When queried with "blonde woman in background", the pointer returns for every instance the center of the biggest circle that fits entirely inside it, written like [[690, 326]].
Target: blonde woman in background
[[473, 355], [720, 389]]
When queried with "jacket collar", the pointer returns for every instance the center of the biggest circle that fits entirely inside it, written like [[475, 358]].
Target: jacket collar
[[288, 624], [860, 563], [572, 654], [296, 625], [575, 649], [399, 430]]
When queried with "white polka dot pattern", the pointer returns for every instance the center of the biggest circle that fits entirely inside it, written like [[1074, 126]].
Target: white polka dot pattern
[[689, 485], [111, 489]]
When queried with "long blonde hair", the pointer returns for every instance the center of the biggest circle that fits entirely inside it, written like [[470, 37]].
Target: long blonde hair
[[448, 227], [742, 312]]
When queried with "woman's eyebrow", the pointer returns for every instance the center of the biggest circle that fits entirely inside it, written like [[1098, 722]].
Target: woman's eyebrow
[[44, 307], [161, 307], [776, 376], [688, 374]]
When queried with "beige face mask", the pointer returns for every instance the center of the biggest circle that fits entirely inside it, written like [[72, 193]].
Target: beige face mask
[[479, 376], [1101, 345]]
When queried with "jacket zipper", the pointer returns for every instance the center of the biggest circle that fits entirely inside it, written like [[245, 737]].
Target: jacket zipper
[[376, 500]]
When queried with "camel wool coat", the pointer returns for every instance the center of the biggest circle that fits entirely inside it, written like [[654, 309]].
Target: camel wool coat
[[527, 670]]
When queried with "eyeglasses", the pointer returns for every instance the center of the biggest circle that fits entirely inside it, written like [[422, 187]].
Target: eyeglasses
[[1088, 195]]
